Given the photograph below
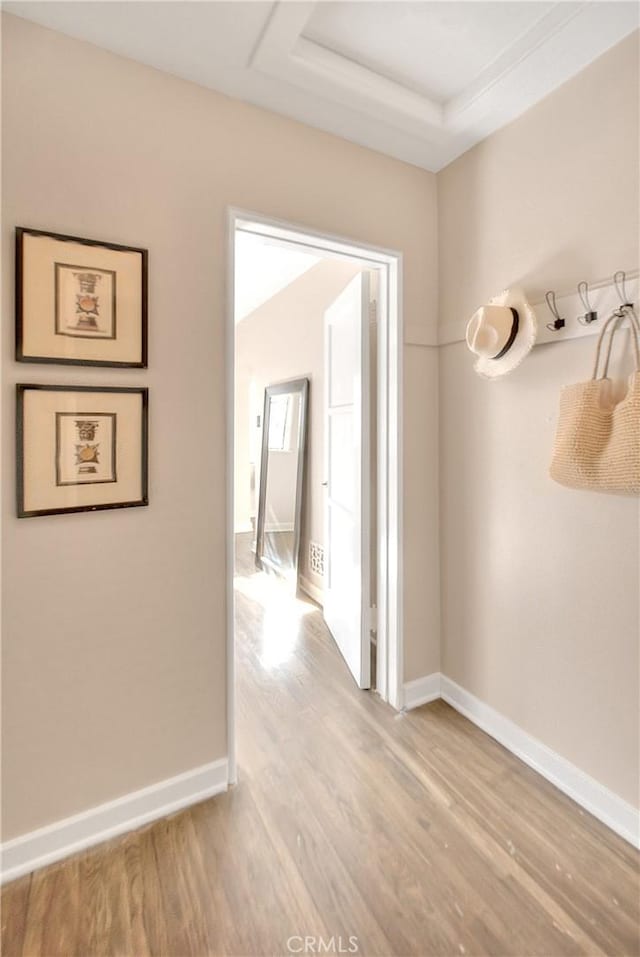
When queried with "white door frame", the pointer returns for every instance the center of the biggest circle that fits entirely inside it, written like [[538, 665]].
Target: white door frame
[[389, 441]]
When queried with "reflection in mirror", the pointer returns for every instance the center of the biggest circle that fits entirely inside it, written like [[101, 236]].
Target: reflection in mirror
[[282, 469]]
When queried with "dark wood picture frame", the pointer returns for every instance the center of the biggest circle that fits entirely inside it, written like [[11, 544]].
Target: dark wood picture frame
[[21, 388], [301, 387], [21, 232]]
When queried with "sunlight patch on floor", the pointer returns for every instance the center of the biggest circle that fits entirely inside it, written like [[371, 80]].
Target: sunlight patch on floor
[[283, 614]]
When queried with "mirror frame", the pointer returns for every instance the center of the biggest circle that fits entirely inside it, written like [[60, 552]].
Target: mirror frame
[[300, 386]]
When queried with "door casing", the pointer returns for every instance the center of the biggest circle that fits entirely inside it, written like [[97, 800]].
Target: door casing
[[389, 442]]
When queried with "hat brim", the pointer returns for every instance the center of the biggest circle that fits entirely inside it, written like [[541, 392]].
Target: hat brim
[[523, 343]]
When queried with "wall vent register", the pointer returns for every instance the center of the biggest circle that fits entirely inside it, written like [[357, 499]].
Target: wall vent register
[[316, 559]]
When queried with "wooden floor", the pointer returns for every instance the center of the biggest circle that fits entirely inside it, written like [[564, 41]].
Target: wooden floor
[[416, 834]]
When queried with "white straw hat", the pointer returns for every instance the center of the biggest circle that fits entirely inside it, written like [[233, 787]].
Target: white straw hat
[[502, 333]]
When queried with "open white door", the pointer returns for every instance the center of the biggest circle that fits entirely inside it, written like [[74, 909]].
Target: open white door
[[347, 553]]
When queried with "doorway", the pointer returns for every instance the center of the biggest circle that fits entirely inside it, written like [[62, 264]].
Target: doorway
[[373, 286]]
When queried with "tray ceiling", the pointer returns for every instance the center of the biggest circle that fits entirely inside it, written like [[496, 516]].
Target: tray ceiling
[[434, 49], [419, 81]]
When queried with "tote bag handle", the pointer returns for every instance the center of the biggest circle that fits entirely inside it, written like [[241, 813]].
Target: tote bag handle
[[617, 319]]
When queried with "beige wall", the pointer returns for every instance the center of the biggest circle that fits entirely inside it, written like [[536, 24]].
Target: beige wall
[[421, 514], [95, 145], [539, 583], [284, 339]]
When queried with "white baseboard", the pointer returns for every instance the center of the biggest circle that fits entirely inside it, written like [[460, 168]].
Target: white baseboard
[[421, 691], [278, 527], [594, 797], [311, 590], [55, 841]]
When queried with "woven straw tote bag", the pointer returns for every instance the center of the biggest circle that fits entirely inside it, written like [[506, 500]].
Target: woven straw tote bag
[[597, 443]]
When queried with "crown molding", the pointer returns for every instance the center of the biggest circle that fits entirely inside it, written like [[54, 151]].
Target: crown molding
[[525, 46]]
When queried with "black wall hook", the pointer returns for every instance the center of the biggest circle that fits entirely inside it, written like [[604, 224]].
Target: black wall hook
[[590, 315], [558, 321]]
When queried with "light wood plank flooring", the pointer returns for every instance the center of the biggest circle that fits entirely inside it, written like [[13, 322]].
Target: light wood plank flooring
[[416, 834]]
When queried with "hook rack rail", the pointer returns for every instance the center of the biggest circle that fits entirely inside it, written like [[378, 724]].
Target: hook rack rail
[[603, 297], [585, 307]]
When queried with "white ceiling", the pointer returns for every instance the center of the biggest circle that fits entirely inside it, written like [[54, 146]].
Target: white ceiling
[[263, 269], [420, 81]]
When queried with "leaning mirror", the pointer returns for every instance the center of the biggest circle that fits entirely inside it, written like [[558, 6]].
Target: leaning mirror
[[282, 469]]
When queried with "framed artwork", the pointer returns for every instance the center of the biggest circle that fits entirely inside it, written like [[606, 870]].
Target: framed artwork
[[80, 448], [80, 301]]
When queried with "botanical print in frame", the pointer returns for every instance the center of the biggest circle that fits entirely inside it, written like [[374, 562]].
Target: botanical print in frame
[[81, 448], [85, 303], [80, 301], [86, 448]]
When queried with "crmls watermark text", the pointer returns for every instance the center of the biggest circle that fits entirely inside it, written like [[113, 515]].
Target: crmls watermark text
[[313, 944]]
